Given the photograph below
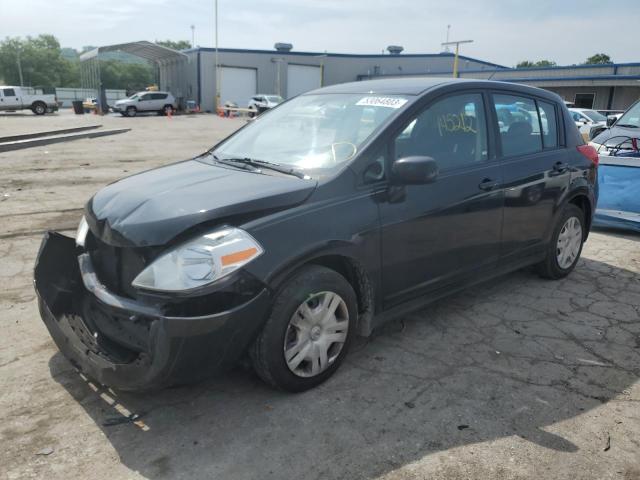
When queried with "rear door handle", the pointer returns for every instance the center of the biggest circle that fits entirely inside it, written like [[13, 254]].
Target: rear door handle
[[560, 167], [487, 184]]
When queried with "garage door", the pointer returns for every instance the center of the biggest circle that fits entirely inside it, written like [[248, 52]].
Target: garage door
[[302, 78], [238, 85]]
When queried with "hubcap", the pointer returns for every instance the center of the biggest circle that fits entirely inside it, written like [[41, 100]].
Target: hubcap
[[569, 242], [316, 334]]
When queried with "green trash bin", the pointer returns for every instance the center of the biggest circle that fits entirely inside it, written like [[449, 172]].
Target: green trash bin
[[77, 107]]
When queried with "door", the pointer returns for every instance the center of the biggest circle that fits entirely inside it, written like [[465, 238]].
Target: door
[[145, 102], [238, 85], [9, 99], [159, 100], [302, 78], [536, 172], [439, 233]]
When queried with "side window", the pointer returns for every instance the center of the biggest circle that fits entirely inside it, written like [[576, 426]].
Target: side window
[[9, 92], [158, 96], [519, 125], [453, 131], [145, 97], [549, 124]]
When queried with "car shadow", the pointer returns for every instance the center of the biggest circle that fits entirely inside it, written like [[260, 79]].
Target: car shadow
[[507, 358]]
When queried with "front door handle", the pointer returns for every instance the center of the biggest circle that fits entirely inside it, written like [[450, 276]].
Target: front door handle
[[487, 184]]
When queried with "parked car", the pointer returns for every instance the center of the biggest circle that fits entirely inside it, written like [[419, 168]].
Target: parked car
[[339, 210], [625, 127], [619, 175], [161, 102], [586, 119], [261, 103], [14, 98]]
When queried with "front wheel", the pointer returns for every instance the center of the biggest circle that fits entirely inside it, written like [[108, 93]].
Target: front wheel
[[565, 246], [132, 111], [39, 108], [307, 334]]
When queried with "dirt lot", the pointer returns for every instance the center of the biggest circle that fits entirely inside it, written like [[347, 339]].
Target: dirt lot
[[517, 378]]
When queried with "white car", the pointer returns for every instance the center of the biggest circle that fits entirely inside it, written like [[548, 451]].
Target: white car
[[586, 119], [260, 103], [14, 98], [161, 102]]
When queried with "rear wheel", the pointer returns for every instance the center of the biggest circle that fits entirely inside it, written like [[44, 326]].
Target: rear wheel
[[565, 246], [308, 332], [39, 108], [167, 110], [132, 111]]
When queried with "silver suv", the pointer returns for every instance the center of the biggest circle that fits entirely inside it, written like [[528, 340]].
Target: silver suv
[[161, 102]]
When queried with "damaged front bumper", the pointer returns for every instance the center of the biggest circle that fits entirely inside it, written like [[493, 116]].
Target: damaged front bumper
[[127, 344]]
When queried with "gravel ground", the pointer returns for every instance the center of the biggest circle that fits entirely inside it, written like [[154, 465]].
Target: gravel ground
[[517, 378]]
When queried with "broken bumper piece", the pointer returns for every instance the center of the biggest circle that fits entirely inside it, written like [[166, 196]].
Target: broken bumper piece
[[128, 345]]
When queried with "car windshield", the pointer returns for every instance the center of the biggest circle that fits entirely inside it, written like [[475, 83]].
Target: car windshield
[[594, 116], [631, 116], [133, 97], [274, 98], [314, 133]]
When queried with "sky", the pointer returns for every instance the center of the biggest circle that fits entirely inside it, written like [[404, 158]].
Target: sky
[[504, 31]]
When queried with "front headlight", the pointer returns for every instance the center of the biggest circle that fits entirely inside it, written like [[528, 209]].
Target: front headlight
[[200, 261]]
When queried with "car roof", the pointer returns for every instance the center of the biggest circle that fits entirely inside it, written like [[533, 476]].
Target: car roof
[[420, 85]]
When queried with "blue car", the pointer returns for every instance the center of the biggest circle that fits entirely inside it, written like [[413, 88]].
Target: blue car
[[619, 173]]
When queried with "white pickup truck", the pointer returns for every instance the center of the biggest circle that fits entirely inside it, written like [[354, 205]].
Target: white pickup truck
[[13, 98]]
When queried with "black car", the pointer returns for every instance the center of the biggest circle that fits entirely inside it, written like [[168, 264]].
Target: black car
[[328, 215]]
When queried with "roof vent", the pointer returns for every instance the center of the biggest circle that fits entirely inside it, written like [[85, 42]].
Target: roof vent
[[283, 47], [395, 49]]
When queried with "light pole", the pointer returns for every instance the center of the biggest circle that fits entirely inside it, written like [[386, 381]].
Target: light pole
[[19, 67], [455, 60], [193, 36], [217, 69]]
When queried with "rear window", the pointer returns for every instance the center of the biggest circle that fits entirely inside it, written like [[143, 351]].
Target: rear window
[[519, 125]]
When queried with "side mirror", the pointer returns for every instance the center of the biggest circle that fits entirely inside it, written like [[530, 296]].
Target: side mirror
[[595, 131], [611, 120], [415, 170]]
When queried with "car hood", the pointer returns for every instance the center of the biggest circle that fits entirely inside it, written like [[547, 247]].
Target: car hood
[[614, 131], [153, 207]]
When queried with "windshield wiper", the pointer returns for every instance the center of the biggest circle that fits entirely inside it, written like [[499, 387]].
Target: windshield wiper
[[626, 125], [262, 164]]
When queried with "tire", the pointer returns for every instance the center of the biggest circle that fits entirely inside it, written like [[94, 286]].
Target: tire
[[39, 108], [303, 338], [555, 265], [132, 111], [166, 109]]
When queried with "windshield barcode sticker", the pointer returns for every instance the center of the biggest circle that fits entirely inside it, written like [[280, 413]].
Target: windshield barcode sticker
[[390, 102]]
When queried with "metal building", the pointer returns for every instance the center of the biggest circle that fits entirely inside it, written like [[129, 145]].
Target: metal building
[[612, 86], [285, 72]]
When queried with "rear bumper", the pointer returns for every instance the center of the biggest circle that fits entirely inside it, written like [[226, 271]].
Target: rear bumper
[[123, 344]]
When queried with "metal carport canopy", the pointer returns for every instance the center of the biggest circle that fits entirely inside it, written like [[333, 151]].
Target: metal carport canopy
[[143, 49]]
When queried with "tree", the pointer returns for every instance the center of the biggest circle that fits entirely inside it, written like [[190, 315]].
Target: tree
[[176, 45], [539, 63], [127, 76], [40, 60], [598, 59], [45, 64]]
